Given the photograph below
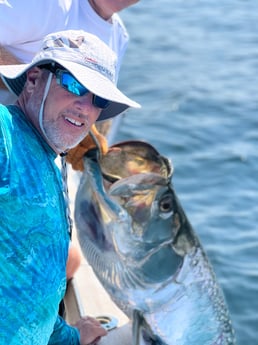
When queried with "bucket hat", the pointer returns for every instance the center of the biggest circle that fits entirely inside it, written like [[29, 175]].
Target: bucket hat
[[86, 57]]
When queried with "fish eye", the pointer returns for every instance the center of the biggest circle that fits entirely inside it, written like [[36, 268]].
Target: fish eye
[[166, 203]]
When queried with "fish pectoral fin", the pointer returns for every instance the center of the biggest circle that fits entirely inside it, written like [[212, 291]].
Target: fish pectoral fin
[[142, 334], [137, 321]]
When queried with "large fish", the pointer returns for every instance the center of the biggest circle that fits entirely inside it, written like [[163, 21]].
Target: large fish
[[140, 244]]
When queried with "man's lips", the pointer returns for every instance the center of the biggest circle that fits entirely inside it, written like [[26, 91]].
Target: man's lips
[[74, 122]]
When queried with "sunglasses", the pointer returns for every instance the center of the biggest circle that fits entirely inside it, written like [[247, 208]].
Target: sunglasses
[[70, 84]]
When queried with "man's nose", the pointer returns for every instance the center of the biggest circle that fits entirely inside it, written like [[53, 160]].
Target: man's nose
[[85, 101], [84, 104]]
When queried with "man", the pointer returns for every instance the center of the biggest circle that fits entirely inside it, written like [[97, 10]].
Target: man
[[68, 86], [20, 42]]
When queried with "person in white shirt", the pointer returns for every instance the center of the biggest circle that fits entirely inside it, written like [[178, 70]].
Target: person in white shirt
[[25, 23]]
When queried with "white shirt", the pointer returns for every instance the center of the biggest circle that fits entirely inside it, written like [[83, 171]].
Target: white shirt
[[24, 23]]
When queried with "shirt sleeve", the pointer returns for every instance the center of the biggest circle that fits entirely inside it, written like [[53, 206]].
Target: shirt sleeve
[[5, 146], [64, 334]]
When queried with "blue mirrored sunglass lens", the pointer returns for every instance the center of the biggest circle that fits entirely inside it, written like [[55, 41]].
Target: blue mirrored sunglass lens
[[100, 102], [68, 82], [72, 85]]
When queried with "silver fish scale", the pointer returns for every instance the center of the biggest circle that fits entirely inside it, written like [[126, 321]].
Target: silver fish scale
[[191, 299]]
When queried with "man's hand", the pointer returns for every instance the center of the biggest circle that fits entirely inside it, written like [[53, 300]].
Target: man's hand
[[90, 330]]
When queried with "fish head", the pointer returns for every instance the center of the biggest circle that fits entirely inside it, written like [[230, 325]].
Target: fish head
[[127, 208], [142, 185], [138, 178]]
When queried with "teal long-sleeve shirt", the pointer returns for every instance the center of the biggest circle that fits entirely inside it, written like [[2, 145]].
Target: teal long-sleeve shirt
[[33, 237]]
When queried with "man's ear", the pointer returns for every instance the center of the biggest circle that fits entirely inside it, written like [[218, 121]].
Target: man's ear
[[33, 78]]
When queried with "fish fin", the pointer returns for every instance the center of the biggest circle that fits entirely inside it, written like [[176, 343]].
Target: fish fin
[[141, 332], [137, 321]]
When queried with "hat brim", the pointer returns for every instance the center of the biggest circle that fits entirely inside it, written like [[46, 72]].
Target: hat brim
[[14, 76]]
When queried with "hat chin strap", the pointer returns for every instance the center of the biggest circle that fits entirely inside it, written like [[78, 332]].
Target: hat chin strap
[[41, 111]]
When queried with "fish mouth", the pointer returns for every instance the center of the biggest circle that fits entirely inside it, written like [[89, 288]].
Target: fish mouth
[[131, 158]]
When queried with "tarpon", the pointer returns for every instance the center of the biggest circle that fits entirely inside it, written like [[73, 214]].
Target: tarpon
[[141, 246]]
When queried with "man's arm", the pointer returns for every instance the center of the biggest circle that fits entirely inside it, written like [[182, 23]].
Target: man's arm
[[64, 334], [6, 58]]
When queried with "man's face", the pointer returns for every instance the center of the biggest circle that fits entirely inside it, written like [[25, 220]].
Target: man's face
[[67, 118]]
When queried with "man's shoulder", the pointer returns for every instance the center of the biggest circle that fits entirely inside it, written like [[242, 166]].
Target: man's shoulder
[[8, 111], [5, 115], [12, 120]]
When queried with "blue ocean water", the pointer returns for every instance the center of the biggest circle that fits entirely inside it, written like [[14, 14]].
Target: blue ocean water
[[193, 67]]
